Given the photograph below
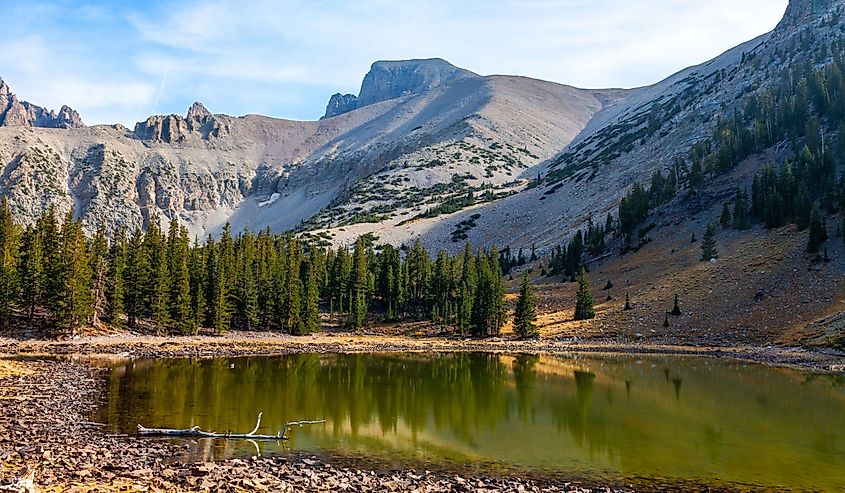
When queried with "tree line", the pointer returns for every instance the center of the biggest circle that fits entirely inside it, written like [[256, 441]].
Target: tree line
[[802, 111], [53, 275]]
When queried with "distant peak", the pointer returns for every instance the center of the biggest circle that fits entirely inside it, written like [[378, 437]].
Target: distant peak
[[198, 111], [800, 12], [391, 79], [17, 113]]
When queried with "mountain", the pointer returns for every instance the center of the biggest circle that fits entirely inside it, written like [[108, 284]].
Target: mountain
[[425, 150], [644, 130], [424, 132], [388, 80], [14, 112]]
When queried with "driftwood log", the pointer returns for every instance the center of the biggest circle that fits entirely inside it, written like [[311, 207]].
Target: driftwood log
[[198, 433]]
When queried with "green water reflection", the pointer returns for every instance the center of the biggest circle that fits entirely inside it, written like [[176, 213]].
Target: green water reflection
[[696, 419]]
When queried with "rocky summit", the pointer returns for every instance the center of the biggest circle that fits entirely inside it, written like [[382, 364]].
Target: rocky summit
[[425, 150], [14, 112], [388, 80]]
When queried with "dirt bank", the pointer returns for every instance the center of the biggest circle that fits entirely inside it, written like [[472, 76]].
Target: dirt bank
[[267, 343]]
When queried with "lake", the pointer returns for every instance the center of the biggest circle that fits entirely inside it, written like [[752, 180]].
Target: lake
[[610, 418]]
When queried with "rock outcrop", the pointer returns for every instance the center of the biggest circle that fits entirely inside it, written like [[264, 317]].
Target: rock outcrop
[[173, 129], [17, 113], [388, 80], [340, 104], [800, 12]]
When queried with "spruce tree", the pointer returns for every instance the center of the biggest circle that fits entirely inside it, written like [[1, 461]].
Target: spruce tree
[[158, 280], [181, 306], [584, 298], [115, 290], [99, 266], [310, 317], [293, 295], [466, 290], [627, 302], [725, 219], [818, 231], [51, 242], [32, 279], [525, 314], [708, 244], [360, 283], [135, 278], [676, 310], [9, 248], [74, 307]]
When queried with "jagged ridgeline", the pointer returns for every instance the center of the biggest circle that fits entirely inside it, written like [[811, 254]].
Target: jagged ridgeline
[[796, 122], [429, 151], [52, 275]]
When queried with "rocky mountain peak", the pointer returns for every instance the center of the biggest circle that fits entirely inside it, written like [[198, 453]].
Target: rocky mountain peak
[[198, 111], [801, 12], [340, 104], [69, 118], [17, 113], [391, 79], [176, 129]]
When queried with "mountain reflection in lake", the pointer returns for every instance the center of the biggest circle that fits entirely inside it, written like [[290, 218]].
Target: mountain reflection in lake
[[698, 419]]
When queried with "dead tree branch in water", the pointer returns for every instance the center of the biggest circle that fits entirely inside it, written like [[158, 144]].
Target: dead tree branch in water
[[197, 432]]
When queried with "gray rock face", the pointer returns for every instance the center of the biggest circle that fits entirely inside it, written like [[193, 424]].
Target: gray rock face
[[198, 111], [174, 129], [388, 80], [340, 104], [803, 11], [16, 113], [394, 79]]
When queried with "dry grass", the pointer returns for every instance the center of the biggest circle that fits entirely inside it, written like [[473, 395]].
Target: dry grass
[[10, 369], [763, 289]]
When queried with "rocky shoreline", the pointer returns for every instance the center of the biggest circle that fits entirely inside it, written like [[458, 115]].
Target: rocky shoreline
[[270, 343], [45, 435], [49, 393]]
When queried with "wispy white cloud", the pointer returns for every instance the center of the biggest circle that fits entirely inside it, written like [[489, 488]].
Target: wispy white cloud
[[285, 58]]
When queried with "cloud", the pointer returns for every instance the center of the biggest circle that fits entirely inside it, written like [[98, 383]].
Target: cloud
[[286, 58]]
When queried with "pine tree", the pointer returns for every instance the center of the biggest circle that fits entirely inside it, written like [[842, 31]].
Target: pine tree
[[676, 310], [115, 291], [466, 290], [741, 212], [708, 244], [584, 298], [696, 175], [666, 320], [181, 309], [627, 302], [31, 277], [51, 243], [158, 285], [9, 245], [135, 278], [74, 307], [360, 282], [489, 308], [525, 314], [725, 219], [99, 266], [818, 231], [310, 316]]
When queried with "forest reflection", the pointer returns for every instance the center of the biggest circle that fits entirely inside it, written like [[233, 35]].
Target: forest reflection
[[616, 414]]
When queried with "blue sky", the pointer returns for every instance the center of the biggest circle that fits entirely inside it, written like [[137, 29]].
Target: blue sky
[[122, 61]]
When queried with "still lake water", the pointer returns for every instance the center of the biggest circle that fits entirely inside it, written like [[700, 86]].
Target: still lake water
[[611, 417]]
